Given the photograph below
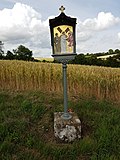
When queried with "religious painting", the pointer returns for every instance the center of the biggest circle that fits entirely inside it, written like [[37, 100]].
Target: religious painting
[[63, 39]]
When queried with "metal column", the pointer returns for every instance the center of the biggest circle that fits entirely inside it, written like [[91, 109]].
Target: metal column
[[65, 115]]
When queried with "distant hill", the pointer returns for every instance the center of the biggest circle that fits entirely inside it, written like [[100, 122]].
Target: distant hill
[[44, 59], [106, 56]]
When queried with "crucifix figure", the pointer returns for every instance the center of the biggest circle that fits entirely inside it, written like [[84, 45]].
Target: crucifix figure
[[62, 8]]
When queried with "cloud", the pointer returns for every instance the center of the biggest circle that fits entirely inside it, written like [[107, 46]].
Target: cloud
[[103, 21], [22, 24], [83, 36], [119, 35], [93, 30]]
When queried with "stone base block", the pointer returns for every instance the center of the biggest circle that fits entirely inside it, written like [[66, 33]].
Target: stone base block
[[67, 130]]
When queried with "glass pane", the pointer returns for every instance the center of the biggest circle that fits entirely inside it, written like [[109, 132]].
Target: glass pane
[[63, 39]]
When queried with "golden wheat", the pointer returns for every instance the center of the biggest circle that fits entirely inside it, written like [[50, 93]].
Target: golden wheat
[[90, 81]]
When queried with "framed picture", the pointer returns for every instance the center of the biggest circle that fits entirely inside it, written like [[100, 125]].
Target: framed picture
[[63, 39]]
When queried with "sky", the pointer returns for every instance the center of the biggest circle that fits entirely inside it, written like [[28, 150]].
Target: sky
[[26, 22]]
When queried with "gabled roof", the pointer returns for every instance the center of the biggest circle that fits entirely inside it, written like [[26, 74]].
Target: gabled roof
[[62, 19]]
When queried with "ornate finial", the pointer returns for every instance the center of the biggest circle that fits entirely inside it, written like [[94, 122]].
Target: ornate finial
[[62, 8]]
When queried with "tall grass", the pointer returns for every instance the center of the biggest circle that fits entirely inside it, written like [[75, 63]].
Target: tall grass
[[89, 81]]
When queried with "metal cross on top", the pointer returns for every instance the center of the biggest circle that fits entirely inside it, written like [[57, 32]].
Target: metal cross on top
[[62, 8]]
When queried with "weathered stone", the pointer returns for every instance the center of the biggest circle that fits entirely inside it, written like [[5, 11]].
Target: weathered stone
[[67, 130]]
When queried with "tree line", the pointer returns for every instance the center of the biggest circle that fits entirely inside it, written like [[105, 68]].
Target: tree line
[[113, 59], [23, 53]]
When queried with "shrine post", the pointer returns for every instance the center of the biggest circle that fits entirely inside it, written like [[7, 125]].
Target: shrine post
[[63, 43]]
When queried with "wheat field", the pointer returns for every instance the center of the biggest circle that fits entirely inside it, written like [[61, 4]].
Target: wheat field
[[86, 81]]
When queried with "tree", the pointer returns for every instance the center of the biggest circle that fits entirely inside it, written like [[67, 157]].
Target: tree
[[9, 55], [112, 62], [92, 60], [79, 59], [117, 51], [117, 56], [23, 53], [111, 51], [1, 49]]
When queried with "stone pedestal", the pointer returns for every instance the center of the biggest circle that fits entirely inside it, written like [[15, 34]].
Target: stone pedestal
[[67, 130]]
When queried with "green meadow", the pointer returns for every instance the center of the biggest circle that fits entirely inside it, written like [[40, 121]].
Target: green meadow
[[26, 127]]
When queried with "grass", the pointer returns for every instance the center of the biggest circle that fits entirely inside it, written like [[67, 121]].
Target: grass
[[26, 128]]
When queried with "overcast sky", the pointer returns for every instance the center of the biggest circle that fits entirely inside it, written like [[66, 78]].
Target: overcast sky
[[26, 22]]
